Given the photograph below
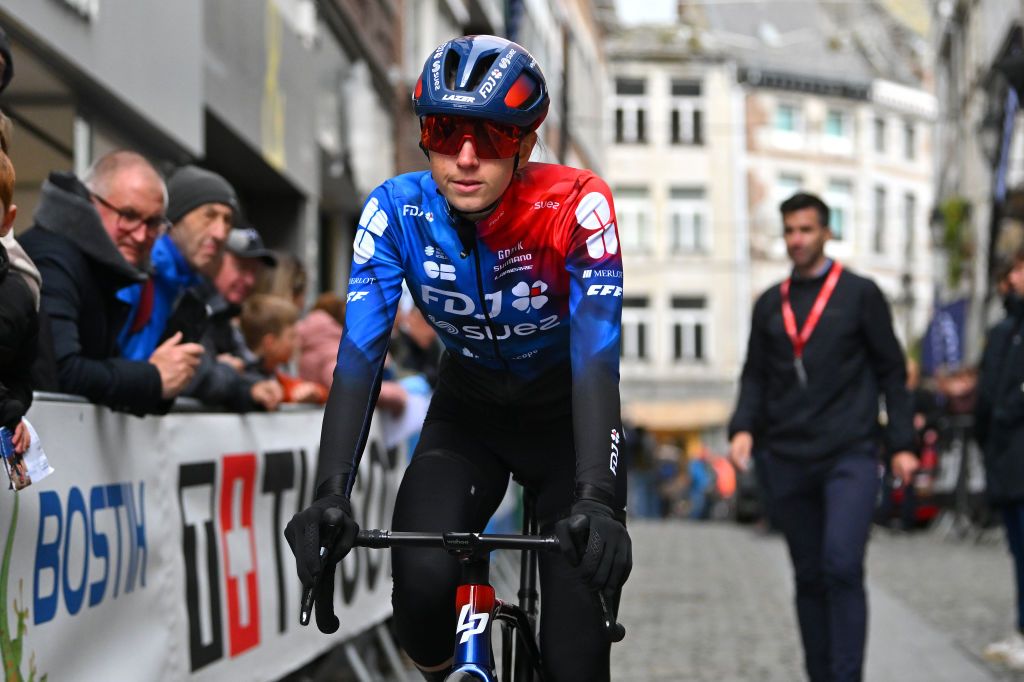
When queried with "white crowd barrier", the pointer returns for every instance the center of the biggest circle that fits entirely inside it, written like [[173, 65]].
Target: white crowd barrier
[[155, 551]]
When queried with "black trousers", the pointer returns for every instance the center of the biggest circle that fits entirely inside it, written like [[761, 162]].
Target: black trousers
[[824, 509], [455, 481]]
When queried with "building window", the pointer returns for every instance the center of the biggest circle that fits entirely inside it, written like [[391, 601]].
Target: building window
[[630, 108], [787, 118], [636, 325], [689, 324], [836, 124], [688, 220], [878, 242], [909, 140], [633, 211], [687, 113], [839, 198], [909, 219], [880, 135], [786, 186]]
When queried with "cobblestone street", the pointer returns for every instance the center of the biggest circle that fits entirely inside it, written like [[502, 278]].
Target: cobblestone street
[[713, 602]]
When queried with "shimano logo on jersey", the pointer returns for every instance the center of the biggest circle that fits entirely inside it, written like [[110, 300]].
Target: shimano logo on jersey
[[445, 271], [545, 204], [611, 274], [492, 82], [458, 98], [613, 463], [416, 211], [605, 290], [354, 296], [372, 223]]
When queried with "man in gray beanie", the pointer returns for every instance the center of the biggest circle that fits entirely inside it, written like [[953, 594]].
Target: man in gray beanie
[[202, 206]]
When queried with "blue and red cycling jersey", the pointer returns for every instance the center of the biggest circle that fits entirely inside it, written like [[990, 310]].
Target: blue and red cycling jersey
[[528, 303]]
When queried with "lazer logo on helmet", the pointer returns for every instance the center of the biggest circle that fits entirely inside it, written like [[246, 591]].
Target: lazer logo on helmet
[[458, 98]]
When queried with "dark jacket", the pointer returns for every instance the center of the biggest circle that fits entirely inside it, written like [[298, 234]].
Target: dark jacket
[[82, 271], [999, 413], [215, 383], [851, 358], [19, 331]]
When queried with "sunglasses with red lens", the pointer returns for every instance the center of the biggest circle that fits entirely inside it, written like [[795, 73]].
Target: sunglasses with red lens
[[446, 134]]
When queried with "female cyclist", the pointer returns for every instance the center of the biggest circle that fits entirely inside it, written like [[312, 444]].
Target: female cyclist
[[517, 266]]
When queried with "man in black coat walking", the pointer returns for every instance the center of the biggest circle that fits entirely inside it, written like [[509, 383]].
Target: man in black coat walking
[[822, 350], [999, 429], [90, 239]]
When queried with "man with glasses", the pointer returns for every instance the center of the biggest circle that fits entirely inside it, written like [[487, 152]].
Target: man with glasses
[[201, 207], [90, 238], [517, 266]]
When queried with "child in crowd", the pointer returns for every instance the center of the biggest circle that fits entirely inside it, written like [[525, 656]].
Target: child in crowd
[[268, 326], [19, 325]]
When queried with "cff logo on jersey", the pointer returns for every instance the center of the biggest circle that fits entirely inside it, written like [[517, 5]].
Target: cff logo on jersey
[[470, 623], [529, 296], [372, 223], [595, 214]]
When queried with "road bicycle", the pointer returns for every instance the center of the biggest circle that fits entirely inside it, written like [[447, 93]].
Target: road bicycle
[[476, 602]]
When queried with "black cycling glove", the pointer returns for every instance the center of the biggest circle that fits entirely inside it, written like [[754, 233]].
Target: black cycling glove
[[606, 557], [305, 534]]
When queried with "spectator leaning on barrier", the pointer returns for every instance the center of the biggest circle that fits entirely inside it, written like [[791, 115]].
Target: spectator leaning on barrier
[[999, 428], [19, 325], [268, 324], [202, 207], [226, 283], [90, 239], [822, 349]]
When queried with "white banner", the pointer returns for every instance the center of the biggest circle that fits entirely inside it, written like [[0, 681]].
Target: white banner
[[156, 549]]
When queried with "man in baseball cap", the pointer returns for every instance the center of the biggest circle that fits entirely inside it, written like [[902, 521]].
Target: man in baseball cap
[[202, 207]]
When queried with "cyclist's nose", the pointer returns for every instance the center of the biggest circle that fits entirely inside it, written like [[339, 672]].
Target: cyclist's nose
[[467, 153]]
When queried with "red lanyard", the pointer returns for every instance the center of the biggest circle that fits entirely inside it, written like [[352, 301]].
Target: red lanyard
[[799, 339]]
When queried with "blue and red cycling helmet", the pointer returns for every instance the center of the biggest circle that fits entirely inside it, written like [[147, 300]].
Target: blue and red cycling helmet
[[483, 77]]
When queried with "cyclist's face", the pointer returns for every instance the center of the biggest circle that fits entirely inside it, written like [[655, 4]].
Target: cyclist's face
[[471, 184], [805, 237]]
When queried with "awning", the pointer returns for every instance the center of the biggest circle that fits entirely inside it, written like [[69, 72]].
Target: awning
[[678, 415]]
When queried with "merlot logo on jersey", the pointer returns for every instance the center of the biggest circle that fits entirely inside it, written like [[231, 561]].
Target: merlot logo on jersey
[[595, 214], [372, 223]]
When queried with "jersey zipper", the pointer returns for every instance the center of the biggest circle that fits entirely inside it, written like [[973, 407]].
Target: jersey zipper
[[487, 313]]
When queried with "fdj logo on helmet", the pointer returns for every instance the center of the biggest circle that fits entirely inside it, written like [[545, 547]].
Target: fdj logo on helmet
[[492, 81]]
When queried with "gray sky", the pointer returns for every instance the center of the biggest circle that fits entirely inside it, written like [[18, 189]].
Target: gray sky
[[646, 12]]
